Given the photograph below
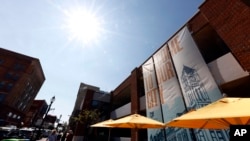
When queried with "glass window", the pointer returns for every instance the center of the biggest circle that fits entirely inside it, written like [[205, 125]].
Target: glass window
[[9, 86], [14, 116], [8, 75], [18, 67], [2, 83], [10, 114], [20, 105], [15, 77], [12, 76], [2, 96], [1, 61], [23, 108]]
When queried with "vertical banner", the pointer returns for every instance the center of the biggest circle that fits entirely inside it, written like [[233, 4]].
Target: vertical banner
[[153, 104], [197, 84], [170, 94]]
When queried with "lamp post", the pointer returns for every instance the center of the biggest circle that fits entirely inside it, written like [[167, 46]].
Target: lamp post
[[47, 111], [58, 121]]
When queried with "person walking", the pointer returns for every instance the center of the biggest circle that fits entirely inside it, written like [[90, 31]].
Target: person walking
[[52, 136], [69, 136], [59, 136], [63, 136]]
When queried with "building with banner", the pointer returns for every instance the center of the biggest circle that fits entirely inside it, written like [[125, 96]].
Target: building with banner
[[205, 59]]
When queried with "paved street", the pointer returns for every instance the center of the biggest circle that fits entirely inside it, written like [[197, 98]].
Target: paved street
[[43, 139]]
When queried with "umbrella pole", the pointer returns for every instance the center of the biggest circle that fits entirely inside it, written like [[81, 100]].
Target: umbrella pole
[[109, 134], [136, 134]]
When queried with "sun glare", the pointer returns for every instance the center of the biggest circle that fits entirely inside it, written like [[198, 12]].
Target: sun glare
[[83, 26]]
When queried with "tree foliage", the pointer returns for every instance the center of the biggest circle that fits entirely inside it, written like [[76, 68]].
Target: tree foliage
[[87, 116]]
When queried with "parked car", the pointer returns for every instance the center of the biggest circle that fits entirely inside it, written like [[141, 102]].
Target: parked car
[[7, 132], [3, 134], [26, 133], [46, 133], [13, 133]]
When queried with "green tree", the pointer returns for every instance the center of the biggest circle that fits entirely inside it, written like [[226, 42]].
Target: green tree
[[87, 116]]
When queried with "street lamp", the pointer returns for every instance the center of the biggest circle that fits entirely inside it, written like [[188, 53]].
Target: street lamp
[[58, 121], [47, 111]]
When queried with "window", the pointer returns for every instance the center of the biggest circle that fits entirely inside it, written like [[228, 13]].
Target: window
[[23, 108], [8, 75], [12, 76], [9, 86], [15, 77], [2, 83], [20, 105], [18, 67], [1, 61], [2, 96], [10, 114], [14, 116]]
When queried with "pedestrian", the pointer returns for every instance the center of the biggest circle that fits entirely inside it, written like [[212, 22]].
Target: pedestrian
[[52, 136], [69, 136], [64, 136], [59, 136]]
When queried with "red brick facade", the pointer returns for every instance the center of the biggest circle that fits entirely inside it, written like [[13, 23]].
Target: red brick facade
[[230, 19]]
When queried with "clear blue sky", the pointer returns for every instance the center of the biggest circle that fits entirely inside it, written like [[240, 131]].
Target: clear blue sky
[[129, 31]]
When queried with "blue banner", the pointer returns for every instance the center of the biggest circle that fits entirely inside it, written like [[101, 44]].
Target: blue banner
[[197, 84]]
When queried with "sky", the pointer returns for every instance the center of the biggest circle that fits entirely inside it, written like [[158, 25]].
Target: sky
[[97, 42]]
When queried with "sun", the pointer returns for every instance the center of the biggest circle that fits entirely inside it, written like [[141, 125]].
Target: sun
[[83, 26]]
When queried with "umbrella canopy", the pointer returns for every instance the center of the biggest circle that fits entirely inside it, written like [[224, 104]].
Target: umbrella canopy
[[136, 121], [103, 123], [218, 115]]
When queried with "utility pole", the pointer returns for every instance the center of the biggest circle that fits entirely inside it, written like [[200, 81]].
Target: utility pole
[[41, 126]]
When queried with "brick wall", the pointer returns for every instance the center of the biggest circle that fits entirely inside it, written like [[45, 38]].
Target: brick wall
[[230, 19], [197, 22]]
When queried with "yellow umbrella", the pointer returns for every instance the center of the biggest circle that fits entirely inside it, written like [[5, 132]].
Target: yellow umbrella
[[103, 124], [218, 115], [136, 121]]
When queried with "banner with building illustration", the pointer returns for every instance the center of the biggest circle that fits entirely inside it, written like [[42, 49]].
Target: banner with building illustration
[[197, 84], [153, 104], [172, 102]]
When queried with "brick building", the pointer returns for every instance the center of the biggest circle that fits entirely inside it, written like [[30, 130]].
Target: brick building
[[21, 77], [35, 113], [220, 29]]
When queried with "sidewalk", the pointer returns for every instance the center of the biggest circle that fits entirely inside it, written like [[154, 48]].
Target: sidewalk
[[43, 139]]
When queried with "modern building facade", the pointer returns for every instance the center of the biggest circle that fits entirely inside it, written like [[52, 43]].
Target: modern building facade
[[88, 98], [21, 77]]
